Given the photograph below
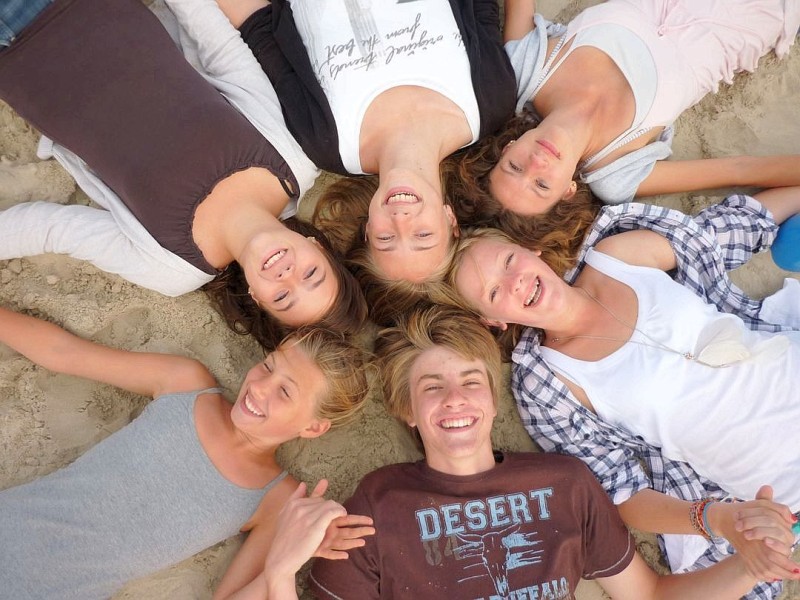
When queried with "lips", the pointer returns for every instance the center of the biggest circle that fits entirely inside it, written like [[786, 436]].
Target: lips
[[271, 260], [249, 406], [401, 196], [549, 148], [535, 293], [457, 422]]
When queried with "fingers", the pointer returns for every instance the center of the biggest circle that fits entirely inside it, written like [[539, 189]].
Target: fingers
[[331, 554], [319, 489], [761, 526], [764, 493], [299, 492]]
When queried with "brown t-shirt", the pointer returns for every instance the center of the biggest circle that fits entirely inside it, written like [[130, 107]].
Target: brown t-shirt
[[104, 79], [531, 527]]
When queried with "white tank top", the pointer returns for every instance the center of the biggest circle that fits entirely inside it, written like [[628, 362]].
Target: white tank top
[[361, 48], [736, 425]]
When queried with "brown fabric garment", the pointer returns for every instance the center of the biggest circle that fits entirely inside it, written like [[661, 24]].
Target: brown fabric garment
[[104, 79], [531, 527]]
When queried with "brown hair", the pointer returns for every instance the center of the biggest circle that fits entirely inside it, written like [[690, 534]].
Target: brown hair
[[343, 366], [558, 233], [342, 212], [397, 349], [229, 291], [509, 337]]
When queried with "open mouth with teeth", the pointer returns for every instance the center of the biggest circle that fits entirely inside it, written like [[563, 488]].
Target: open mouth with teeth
[[249, 407], [402, 198], [274, 258], [535, 294], [457, 423]]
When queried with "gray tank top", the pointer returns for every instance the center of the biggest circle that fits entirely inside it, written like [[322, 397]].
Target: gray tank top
[[142, 499]]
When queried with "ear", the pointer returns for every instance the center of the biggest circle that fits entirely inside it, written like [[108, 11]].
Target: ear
[[506, 147], [494, 323], [537, 252], [316, 428], [573, 187], [451, 217], [312, 239]]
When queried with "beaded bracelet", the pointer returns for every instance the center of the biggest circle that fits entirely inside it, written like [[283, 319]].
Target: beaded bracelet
[[698, 517]]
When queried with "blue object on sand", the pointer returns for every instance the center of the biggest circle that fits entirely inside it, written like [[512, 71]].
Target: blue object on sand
[[786, 249]]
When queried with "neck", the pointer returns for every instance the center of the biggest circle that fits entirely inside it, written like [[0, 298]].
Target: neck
[[411, 121], [574, 123], [580, 316], [235, 229], [481, 462], [246, 197]]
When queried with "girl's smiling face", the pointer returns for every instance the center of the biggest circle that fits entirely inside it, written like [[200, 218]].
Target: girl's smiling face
[[289, 277], [279, 397], [507, 283], [531, 175]]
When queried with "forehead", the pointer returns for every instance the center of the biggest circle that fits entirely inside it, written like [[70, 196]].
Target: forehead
[[312, 305], [410, 265], [443, 362], [476, 263], [292, 362]]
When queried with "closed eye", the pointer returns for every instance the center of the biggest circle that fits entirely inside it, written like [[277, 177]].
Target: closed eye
[[514, 167], [542, 185], [282, 296], [310, 273], [508, 260], [493, 294], [424, 234]]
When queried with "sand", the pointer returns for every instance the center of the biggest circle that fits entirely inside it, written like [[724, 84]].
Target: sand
[[47, 420]]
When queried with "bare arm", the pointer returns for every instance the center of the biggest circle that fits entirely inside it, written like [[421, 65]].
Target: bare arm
[[759, 530], [781, 202], [673, 176], [238, 11], [640, 247], [276, 548], [724, 580], [518, 19], [58, 350]]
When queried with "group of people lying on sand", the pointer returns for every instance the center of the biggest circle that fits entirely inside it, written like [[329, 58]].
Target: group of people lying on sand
[[196, 126]]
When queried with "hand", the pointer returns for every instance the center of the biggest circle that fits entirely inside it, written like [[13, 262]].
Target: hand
[[302, 526], [761, 533], [344, 533]]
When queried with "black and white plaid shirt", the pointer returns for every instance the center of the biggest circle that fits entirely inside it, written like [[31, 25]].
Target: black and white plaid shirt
[[719, 238]]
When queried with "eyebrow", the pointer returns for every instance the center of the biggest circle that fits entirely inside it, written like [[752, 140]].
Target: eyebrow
[[439, 377], [414, 248], [289, 377], [314, 286]]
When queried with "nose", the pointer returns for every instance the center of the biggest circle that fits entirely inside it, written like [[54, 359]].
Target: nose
[[454, 397], [285, 271], [514, 282]]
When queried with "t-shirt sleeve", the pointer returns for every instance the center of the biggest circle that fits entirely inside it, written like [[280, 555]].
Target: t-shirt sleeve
[[618, 181], [608, 545], [356, 577]]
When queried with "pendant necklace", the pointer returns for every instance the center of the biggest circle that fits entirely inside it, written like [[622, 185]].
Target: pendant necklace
[[654, 343]]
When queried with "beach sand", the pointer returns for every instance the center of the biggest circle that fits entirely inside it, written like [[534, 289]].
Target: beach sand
[[47, 420]]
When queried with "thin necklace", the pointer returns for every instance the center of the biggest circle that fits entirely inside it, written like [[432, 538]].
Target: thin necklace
[[655, 343]]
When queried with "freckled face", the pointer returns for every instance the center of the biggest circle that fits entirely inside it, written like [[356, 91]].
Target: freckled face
[[278, 398], [453, 409], [531, 175], [410, 228], [507, 283], [290, 277]]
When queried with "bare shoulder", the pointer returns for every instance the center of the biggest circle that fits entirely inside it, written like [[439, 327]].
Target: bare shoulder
[[642, 248]]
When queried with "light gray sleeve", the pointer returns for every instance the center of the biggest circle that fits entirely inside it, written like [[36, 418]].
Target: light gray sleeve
[[618, 181], [528, 56], [89, 234]]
